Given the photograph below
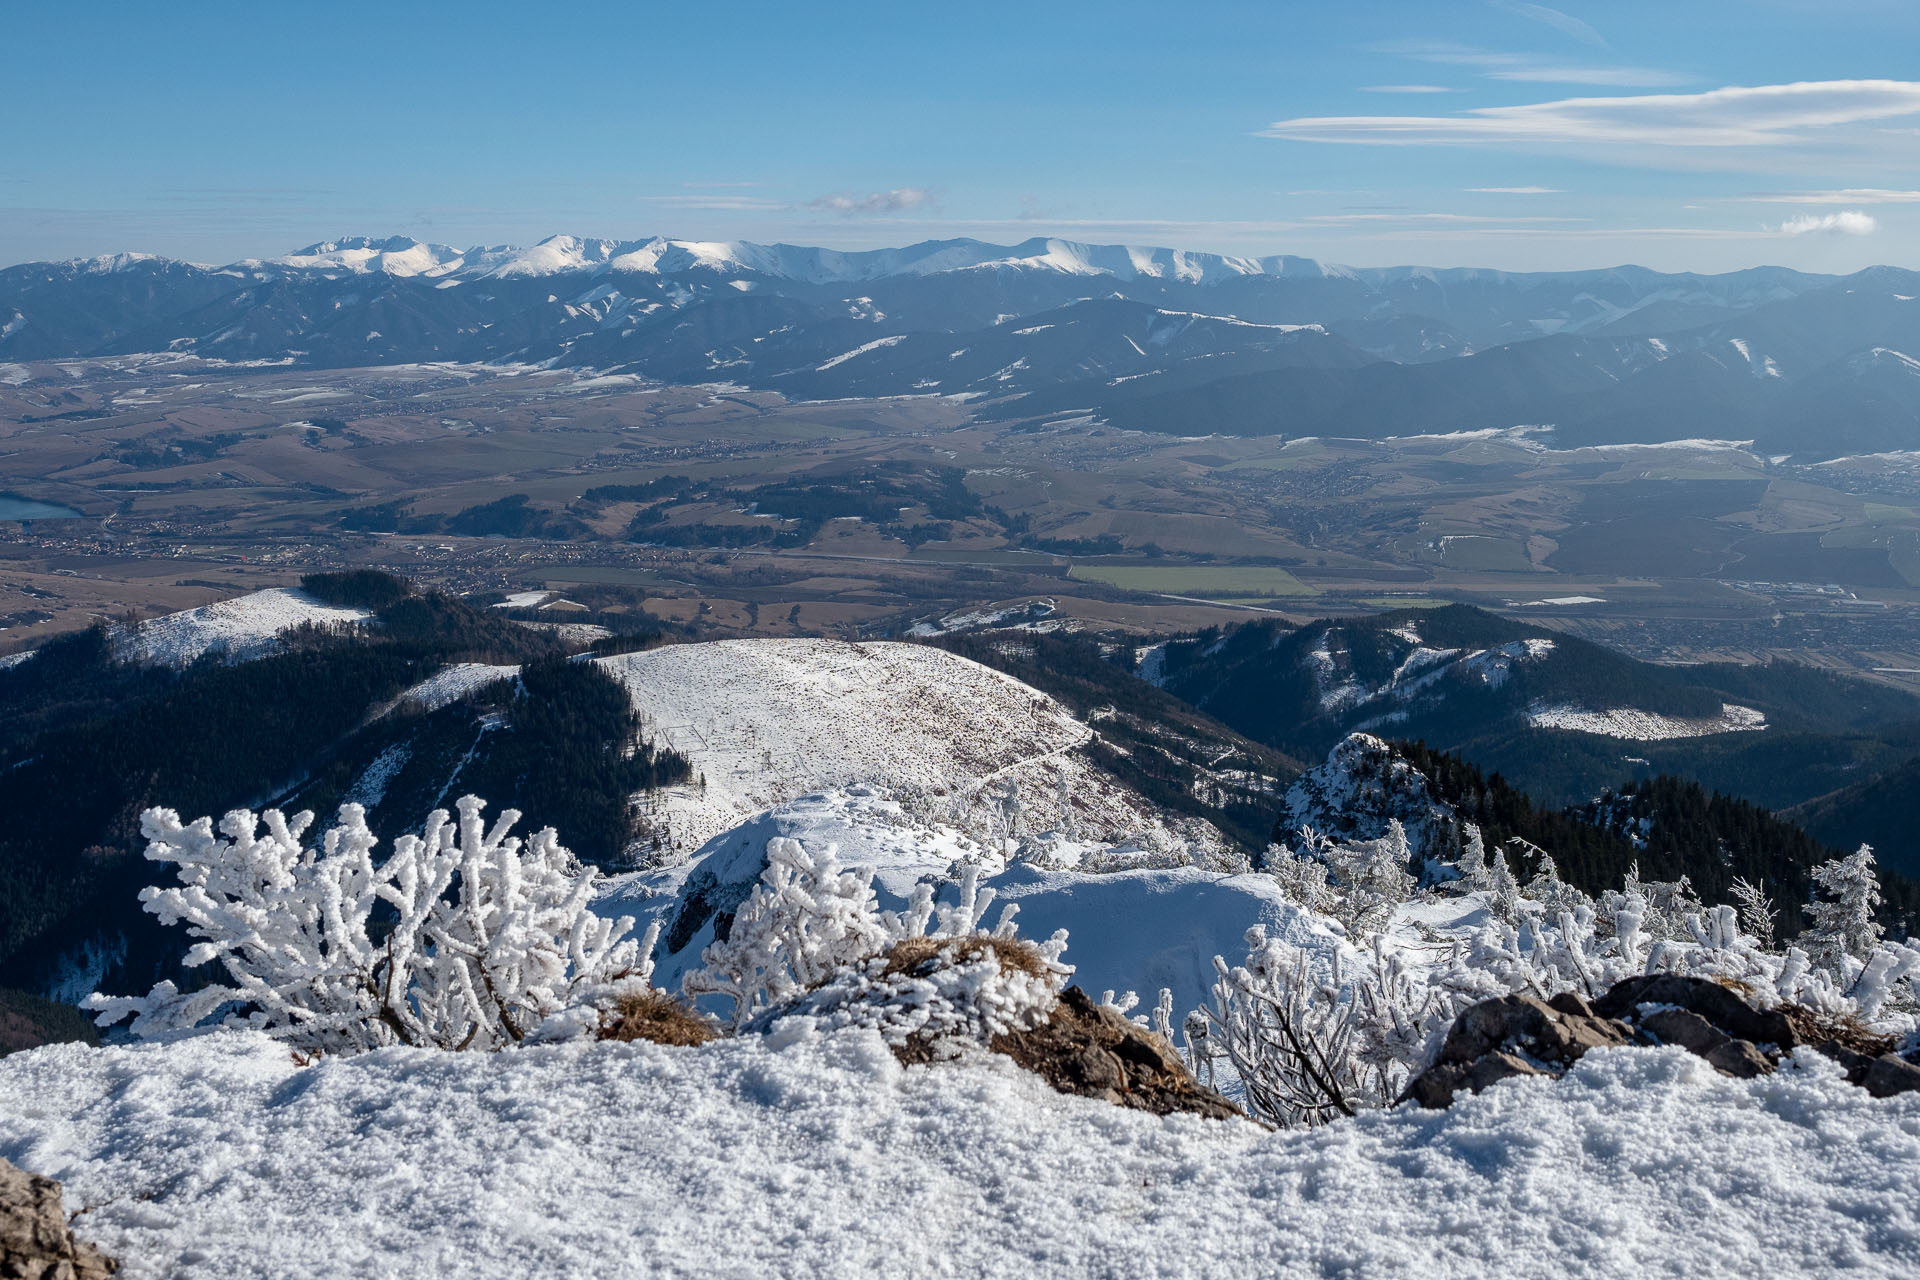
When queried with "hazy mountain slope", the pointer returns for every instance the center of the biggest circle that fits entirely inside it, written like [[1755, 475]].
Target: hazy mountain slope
[[1561, 717], [1883, 811], [1164, 748]]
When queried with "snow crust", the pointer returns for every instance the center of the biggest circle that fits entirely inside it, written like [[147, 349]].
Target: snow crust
[[243, 627], [808, 1154], [1644, 726]]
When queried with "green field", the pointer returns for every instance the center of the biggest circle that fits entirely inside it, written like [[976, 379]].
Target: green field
[[1480, 552], [1206, 581]]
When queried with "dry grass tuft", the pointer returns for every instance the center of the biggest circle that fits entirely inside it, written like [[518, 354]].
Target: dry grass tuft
[[1016, 954], [1847, 1031], [658, 1017]]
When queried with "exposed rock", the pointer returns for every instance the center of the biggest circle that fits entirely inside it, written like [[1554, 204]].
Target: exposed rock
[[1739, 1058], [1685, 1028], [35, 1241], [1510, 1036], [1719, 1005], [1517, 1035], [1887, 1075], [1093, 1051]]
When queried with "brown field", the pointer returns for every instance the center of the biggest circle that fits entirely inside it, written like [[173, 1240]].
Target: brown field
[[197, 480]]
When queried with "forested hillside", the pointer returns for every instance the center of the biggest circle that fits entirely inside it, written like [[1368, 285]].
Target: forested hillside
[[88, 740]]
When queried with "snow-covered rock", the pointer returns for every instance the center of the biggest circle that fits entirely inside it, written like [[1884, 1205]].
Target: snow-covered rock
[[1363, 786], [820, 1155]]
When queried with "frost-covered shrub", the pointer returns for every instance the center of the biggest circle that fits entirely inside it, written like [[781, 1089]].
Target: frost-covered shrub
[[1843, 927], [1308, 1049], [1312, 1042], [1358, 883], [811, 941], [462, 938]]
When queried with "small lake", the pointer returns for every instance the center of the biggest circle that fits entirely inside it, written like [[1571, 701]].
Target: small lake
[[15, 508]]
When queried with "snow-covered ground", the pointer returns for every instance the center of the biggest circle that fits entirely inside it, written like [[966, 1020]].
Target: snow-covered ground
[[242, 627], [1644, 726], [452, 683], [1137, 929], [812, 1155], [766, 721]]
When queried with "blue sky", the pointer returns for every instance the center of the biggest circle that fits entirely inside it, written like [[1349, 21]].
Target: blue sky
[[1469, 132]]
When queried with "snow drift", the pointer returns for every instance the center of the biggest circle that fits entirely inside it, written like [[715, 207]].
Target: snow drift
[[821, 1155]]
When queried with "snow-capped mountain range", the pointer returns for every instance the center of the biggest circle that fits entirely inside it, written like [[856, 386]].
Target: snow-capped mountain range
[[1153, 338]]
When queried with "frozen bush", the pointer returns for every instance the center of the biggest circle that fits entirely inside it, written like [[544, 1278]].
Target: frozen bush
[[812, 942], [463, 938]]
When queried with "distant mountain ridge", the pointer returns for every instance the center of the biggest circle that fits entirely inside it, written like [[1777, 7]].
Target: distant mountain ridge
[[1151, 338]]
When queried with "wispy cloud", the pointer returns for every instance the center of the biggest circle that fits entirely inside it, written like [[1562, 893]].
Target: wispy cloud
[[1518, 191], [1406, 88], [1599, 77], [1498, 65], [1428, 217], [1850, 222], [1846, 195], [719, 186], [718, 203], [1565, 23], [850, 204], [1758, 116]]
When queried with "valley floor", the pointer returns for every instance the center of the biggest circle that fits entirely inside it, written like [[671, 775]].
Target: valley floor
[[803, 1154]]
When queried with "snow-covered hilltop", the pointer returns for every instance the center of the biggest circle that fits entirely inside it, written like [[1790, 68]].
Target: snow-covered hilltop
[[767, 721]]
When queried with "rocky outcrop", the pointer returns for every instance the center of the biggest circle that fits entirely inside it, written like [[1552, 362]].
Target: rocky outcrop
[[1094, 1051], [1514, 1036], [35, 1241], [1518, 1035]]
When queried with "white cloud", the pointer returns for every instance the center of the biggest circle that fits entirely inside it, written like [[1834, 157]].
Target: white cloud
[[1518, 191], [1850, 222], [1846, 195], [1762, 115], [1602, 77], [1499, 65], [1406, 88], [897, 200], [720, 203], [1563, 22], [1426, 217]]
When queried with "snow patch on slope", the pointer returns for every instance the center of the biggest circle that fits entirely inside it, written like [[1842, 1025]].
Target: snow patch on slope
[[1644, 726], [243, 627], [456, 682]]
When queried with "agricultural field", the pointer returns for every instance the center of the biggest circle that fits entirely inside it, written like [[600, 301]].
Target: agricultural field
[[1204, 581], [163, 483]]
